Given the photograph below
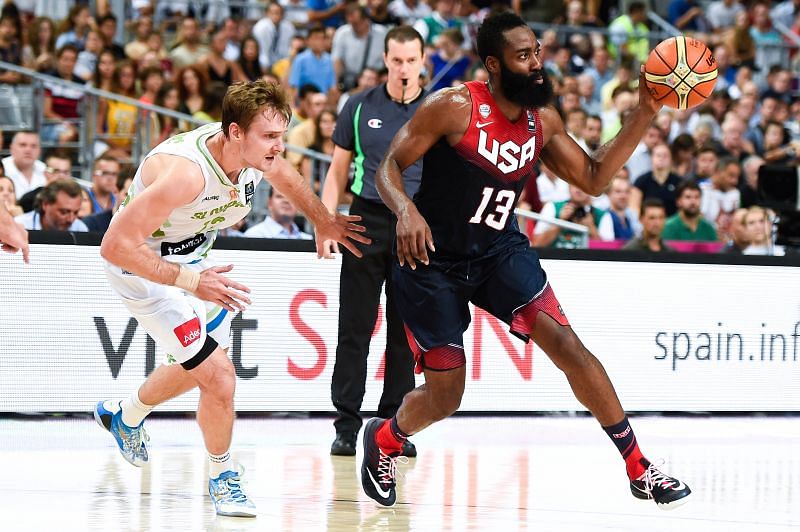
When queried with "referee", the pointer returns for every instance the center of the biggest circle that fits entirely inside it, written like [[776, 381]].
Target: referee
[[364, 130]]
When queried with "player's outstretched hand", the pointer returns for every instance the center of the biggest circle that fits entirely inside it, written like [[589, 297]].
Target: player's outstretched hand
[[342, 229], [329, 247], [14, 238], [218, 289], [646, 100], [413, 238]]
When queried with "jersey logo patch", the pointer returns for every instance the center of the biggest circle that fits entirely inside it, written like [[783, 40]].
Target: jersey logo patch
[[249, 190], [375, 123], [184, 247], [484, 109], [507, 157], [481, 125], [188, 332]]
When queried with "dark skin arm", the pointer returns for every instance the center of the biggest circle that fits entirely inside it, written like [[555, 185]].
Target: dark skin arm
[[445, 113], [592, 174]]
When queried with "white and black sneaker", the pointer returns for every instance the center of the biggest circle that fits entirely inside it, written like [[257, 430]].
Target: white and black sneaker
[[378, 469], [668, 492]]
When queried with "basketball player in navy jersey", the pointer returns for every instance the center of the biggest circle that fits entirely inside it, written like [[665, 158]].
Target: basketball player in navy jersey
[[458, 242]]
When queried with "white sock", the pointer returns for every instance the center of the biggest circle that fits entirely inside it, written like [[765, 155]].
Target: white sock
[[218, 464], [133, 410]]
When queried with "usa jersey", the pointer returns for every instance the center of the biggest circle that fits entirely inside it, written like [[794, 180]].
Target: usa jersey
[[468, 191]]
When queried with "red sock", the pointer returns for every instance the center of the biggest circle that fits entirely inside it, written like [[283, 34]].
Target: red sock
[[389, 437], [625, 440]]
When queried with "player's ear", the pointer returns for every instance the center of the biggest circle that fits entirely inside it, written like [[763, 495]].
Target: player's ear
[[234, 131], [492, 65]]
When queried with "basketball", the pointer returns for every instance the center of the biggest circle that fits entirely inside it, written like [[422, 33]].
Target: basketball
[[681, 72]]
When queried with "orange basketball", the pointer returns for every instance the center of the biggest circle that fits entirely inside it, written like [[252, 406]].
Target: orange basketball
[[681, 72]]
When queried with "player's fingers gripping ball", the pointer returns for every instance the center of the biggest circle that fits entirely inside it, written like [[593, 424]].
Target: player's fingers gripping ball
[[681, 72]]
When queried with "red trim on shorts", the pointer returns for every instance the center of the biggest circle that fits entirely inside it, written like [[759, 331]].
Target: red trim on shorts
[[415, 349], [442, 358], [525, 317]]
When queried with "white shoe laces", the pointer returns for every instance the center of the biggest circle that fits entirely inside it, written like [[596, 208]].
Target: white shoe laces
[[387, 466], [653, 477]]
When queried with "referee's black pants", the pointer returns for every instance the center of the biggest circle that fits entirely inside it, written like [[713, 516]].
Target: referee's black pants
[[359, 295]]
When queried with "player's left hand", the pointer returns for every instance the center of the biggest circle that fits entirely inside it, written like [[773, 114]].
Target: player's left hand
[[646, 100], [340, 228]]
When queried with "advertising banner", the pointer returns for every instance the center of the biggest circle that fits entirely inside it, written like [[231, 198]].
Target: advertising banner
[[672, 337]]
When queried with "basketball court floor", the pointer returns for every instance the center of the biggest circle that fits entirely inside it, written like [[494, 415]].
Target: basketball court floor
[[472, 473]]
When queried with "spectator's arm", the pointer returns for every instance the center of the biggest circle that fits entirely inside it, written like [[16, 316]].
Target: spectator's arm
[[321, 15], [12, 78], [635, 201], [102, 110], [236, 70], [338, 69], [47, 108], [687, 17]]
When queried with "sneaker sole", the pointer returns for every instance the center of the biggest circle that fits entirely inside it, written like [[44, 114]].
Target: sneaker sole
[[674, 504], [238, 514], [366, 479]]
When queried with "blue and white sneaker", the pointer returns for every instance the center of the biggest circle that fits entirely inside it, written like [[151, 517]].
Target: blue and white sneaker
[[132, 442], [229, 499]]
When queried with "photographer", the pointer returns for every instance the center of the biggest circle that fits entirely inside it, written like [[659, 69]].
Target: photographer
[[577, 209]]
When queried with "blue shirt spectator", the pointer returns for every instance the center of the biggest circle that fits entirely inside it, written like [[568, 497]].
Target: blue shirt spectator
[[314, 65], [279, 223]]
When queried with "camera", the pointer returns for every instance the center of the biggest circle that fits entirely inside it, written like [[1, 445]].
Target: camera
[[581, 212], [779, 189]]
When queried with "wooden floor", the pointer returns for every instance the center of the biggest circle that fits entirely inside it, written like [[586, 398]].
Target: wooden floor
[[493, 474]]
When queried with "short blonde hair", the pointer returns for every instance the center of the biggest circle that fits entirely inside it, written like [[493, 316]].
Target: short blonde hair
[[245, 100]]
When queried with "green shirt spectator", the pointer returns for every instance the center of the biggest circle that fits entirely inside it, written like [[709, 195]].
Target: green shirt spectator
[[676, 229]]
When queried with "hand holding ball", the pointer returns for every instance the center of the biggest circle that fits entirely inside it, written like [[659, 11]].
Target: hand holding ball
[[681, 72]]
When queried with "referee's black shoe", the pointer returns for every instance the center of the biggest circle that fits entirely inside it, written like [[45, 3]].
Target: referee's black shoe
[[344, 444]]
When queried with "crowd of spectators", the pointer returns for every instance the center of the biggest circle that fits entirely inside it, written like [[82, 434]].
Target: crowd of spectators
[[697, 167]]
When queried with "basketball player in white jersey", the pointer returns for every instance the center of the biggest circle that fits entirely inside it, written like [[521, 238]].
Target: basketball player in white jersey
[[186, 189]]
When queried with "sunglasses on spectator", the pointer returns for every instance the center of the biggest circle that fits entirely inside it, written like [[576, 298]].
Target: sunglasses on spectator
[[105, 173]]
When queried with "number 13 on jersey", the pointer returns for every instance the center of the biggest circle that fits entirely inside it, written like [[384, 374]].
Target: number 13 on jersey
[[502, 202]]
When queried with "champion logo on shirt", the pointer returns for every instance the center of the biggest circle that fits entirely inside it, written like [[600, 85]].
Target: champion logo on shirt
[[375, 123]]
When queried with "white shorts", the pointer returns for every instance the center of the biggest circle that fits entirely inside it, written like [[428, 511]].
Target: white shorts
[[179, 322]]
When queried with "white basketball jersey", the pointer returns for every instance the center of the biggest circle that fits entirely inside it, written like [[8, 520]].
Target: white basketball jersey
[[190, 231]]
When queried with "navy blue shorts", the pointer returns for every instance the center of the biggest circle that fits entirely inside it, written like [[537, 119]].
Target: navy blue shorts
[[434, 300]]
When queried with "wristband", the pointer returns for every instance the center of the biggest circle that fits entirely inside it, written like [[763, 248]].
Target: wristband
[[187, 279]]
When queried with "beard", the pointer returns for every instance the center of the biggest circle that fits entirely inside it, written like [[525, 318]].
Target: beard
[[524, 89]]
